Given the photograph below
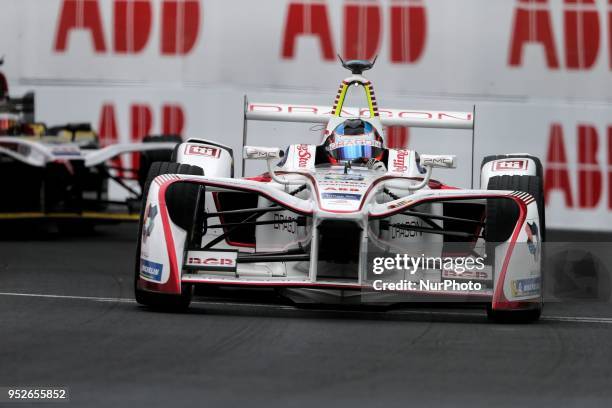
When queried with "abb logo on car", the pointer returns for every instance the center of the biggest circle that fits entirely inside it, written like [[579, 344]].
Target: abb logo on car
[[510, 165], [195, 150]]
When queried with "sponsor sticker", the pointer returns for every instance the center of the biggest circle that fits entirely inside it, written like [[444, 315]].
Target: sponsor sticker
[[399, 163], [149, 221], [304, 156], [151, 270], [199, 150], [533, 241], [510, 165], [356, 142], [212, 260], [340, 196], [525, 287], [398, 204]]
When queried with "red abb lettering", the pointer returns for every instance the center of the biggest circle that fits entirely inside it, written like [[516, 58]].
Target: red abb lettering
[[532, 24], [610, 31], [173, 120], [557, 174], [108, 132], [307, 19], [81, 15], [610, 167], [180, 26], [581, 33], [142, 122], [132, 25], [408, 31], [361, 30], [397, 137], [589, 172]]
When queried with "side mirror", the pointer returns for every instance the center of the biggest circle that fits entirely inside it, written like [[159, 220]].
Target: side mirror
[[443, 161], [262, 153]]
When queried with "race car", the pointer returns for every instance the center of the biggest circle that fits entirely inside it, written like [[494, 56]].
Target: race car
[[348, 220], [62, 173]]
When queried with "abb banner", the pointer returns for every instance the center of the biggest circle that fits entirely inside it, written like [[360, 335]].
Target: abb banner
[[510, 48], [539, 72]]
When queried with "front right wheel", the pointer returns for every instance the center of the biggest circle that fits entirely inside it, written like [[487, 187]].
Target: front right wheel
[[500, 223]]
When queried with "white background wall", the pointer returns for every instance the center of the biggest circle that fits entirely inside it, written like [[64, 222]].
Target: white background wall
[[461, 54]]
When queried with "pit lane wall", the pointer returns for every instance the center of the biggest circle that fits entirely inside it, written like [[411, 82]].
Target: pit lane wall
[[540, 72]]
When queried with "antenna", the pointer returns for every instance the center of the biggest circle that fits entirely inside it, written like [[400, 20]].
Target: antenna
[[357, 66]]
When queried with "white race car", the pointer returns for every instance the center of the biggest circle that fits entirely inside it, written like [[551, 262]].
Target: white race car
[[347, 221], [62, 173]]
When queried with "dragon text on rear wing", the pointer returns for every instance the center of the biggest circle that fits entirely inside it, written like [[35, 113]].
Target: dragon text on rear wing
[[388, 117]]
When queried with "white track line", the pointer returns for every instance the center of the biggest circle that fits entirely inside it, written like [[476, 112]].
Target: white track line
[[573, 319]]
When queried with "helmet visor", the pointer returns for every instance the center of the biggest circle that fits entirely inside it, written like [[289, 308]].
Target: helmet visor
[[354, 152]]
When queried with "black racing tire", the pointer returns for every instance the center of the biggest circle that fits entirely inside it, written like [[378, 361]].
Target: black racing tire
[[149, 157], [514, 316], [500, 223], [174, 154], [181, 201], [502, 213]]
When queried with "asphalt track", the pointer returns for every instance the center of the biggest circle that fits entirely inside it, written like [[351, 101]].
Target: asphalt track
[[67, 318]]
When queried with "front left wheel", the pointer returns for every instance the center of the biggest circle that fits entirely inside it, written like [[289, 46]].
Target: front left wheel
[[182, 199]]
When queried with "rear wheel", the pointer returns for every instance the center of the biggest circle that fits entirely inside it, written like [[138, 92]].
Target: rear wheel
[[182, 200], [501, 220]]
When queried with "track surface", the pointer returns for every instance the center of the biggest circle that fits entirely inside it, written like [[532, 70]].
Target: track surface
[[78, 327]]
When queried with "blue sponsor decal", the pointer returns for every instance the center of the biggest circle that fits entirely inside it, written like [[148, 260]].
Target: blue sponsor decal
[[341, 196], [151, 270], [525, 287]]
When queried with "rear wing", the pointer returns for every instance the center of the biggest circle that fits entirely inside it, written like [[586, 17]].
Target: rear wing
[[388, 117], [419, 118]]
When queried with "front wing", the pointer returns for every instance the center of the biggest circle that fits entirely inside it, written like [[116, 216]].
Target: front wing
[[278, 259]]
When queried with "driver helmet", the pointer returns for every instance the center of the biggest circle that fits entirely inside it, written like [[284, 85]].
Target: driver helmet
[[354, 140]]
